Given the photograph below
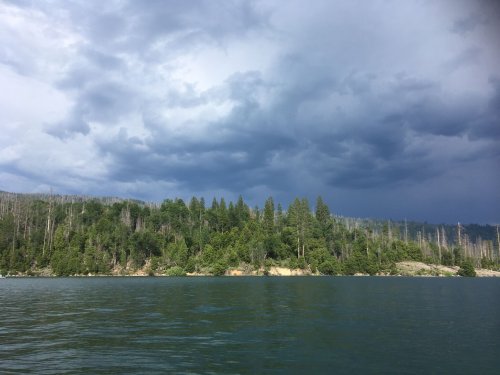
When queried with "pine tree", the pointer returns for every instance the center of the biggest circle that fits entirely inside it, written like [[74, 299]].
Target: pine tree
[[269, 217]]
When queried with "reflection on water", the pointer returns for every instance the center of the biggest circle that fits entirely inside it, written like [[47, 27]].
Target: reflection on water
[[249, 325]]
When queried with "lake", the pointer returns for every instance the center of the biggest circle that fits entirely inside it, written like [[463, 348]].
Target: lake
[[250, 325]]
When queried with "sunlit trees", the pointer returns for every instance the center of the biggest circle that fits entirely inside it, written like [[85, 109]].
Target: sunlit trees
[[78, 235], [299, 218]]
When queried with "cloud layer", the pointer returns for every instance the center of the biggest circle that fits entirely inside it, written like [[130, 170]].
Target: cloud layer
[[388, 109]]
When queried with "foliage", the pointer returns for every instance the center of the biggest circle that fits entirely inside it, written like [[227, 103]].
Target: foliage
[[467, 269], [176, 271], [329, 267], [78, 235], [219, 268]]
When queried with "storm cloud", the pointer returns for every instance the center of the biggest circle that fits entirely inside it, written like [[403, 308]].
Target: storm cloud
[[386, 109]]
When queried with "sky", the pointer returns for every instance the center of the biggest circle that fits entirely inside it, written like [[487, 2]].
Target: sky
[[387, 109]]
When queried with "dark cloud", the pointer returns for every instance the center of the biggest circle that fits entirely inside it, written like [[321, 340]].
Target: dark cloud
[[266, 146], [70, 127], [469, 56], [407, 85], [256, 98], [465, 25], [131, 27], [240, 148], [102, 101], [435, 116], [106, 101], [101, 60], [494, 102], [356, 83], [120, 31], [487, 126]]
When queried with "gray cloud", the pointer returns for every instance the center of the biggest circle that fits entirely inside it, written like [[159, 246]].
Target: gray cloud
[[465, 25], [469, 56], [248, 97]]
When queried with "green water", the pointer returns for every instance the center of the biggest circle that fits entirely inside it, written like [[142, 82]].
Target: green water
[[250, 325]]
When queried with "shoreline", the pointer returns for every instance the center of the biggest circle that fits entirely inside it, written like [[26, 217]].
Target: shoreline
[[403, 269]]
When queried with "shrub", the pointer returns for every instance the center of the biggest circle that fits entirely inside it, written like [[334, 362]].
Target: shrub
[[393, 269], [329, 267], [191, 265], [467, 269], [154, 263], [302, 263], [219, 268], [268, 263], [175, 271], [293, 263]]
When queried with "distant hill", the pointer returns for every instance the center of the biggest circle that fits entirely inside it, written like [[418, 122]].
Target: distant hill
[[414, 229]]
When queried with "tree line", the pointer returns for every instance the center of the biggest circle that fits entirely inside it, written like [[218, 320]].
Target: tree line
[[79, 235]]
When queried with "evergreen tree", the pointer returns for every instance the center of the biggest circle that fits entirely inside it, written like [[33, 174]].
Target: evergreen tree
[[269, 217], [322, 213], [80, 235], [242, 212], [467, 269], [223, 216]]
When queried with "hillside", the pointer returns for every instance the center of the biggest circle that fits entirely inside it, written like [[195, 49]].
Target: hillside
[[85, 235]]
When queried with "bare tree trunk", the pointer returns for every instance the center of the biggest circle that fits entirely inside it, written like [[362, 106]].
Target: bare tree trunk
[[466, 246], [406, 232], [200, 233], [439, 244], [16, 227], [498, 241], [443, 238], [298, 246], [459, 227], [71, 216], [298, 236], [48, 229]]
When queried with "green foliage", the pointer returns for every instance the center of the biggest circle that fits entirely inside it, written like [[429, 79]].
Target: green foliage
[[467, 269], [393, 270], [302, 263], [155, 262], [191, 265], [293, 263], [329, 267], [175, 271], [360, 262], [81, 236], [488, 263], [67, 262], [457, 256], [177, 253], [219, 268], [209, 255], [446, 258], [319, 256]]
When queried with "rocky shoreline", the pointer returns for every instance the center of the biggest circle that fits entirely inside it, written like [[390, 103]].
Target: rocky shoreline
[[406, 268]]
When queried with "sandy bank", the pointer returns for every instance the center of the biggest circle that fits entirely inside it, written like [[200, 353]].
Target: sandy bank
[[412, 268], [273, 271], [282, 271], [406, 268], [481, 272]]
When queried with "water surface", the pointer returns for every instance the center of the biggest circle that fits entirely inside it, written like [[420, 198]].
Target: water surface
[[250, 325]]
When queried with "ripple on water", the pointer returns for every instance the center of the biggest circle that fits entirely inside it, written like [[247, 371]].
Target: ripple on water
[[207, 325]]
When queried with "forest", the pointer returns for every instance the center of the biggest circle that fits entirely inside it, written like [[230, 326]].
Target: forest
[[77, 235]]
